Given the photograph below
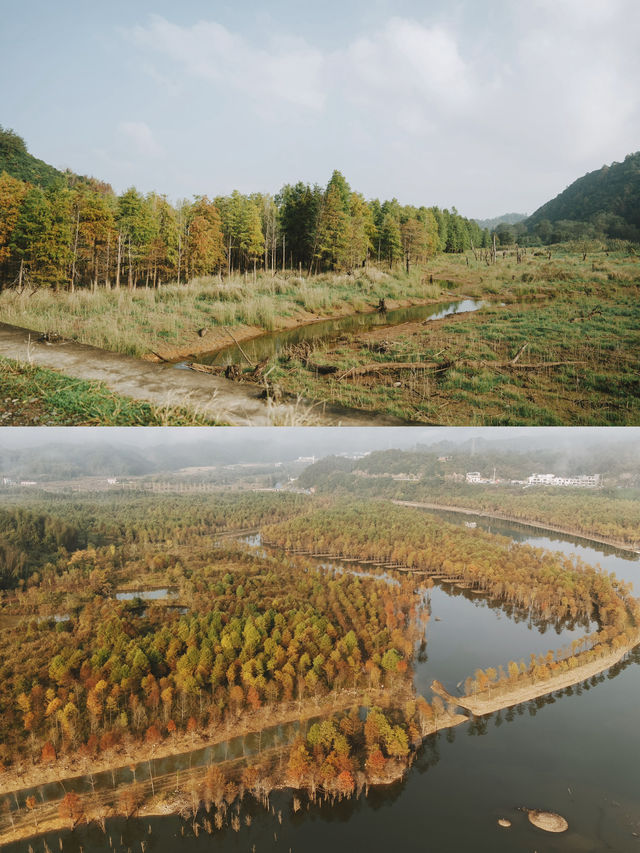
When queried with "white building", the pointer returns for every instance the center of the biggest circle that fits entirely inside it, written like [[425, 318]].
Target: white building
[[584, 481]]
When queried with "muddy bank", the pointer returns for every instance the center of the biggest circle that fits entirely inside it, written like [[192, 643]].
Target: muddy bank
[[166, 386], [215, 338]]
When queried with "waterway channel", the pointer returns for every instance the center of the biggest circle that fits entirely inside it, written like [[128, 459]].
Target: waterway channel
[[271, 343]]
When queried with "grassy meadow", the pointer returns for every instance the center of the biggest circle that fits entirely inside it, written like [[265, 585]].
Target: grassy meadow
[[167, 319], [580, 317], [556, 343]]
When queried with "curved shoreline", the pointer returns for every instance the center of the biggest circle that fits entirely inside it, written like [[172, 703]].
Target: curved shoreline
[[483, 703], [602, 540]]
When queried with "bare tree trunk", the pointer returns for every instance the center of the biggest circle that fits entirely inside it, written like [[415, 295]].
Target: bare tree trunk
[[130, 270], [107, 282], [118, 261], [75, 253], [284, 253], [179, 256]]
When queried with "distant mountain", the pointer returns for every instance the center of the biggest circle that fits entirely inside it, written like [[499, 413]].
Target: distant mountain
[[607, 199], [506, 218], [17, 162]]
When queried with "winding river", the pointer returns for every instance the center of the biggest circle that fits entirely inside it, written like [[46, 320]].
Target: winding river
[[575, 752]]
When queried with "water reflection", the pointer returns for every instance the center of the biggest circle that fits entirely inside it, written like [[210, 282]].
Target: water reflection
[[574, 752], [265, 346]]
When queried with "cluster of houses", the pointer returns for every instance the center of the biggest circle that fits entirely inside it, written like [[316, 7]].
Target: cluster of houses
[[583, 481]]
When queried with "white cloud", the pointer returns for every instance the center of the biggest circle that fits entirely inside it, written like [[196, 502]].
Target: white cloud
[[138, 139], [289, 70], [512, 105]]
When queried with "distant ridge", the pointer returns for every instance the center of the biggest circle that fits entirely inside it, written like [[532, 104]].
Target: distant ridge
[[506, 218]]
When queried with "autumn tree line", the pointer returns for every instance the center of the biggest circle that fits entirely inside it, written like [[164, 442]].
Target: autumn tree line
[[42, 531], [89, 673], [64, 231], [550, 585]]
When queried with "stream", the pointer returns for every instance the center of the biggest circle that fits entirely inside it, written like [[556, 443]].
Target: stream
[[271, 343]]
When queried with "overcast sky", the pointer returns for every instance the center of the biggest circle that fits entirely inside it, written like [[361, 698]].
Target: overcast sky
[[308, 441], [489, 105]]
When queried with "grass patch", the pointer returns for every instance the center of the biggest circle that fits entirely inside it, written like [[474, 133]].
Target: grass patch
[[139, 321], [583, 314], [36, 396]]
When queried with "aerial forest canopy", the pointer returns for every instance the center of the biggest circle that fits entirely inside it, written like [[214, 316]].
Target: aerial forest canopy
[[63, 230]]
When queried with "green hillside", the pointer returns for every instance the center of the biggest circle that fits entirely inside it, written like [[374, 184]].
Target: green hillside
[[607, 200], [17, 162]]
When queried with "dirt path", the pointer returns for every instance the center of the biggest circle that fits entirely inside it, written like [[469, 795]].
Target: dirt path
[[538, 525], [166, 385]]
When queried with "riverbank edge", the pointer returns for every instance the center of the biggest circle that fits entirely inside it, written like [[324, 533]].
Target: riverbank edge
[[184, 743], [589, 537], [480, 706], [161, 807], [243, 332]]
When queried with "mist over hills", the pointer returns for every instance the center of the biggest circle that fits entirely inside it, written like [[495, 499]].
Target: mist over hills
[[506, 218], [49, 454]]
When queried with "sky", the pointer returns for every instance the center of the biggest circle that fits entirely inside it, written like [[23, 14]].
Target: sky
[[308, 441], [491, 106]]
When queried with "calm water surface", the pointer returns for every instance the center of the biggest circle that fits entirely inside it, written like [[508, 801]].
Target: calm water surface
[[575, 752], [265, 346]]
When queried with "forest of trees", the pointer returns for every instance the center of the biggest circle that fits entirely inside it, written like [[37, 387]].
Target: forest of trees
[[65, 231], [257, 631], [246, 635], [46, 528], [551, 585]]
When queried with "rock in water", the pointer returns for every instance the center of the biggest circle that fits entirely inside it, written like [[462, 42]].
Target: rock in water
[[549, 821], [504, 822]]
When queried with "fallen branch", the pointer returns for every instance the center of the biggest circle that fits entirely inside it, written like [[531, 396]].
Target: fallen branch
[[537, 366], [437, 366], [322, 369], [205, 368], [239, 347], [519, 353], [581, 317]]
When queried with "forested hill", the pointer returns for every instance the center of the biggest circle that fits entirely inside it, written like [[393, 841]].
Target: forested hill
[[16, 161], [608, 199]]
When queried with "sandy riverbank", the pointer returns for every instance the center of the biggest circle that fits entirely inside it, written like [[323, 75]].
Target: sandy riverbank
[[489, 701]]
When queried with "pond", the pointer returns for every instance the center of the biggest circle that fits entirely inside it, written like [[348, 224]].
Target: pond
[[267, 345], [575, 752], [146, 594]]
